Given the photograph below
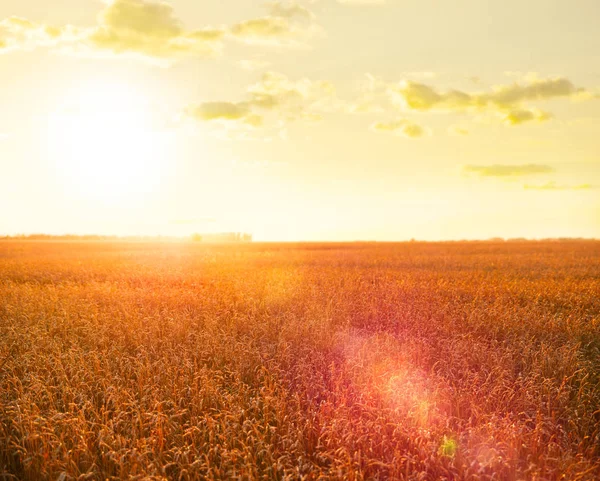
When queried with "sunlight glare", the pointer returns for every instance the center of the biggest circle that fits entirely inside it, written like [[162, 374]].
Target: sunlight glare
[[105, 145]]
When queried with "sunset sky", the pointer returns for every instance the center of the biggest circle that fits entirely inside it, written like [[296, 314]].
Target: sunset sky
[[305, 120]]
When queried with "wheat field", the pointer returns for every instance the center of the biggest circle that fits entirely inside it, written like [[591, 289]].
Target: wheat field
[[411, 361]]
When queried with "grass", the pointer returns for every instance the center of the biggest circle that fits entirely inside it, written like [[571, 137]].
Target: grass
[[316, 361]]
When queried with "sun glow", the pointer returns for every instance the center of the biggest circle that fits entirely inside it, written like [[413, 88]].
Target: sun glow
[[105, 143]]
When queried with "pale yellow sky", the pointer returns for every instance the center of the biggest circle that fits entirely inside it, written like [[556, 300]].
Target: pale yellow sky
[[303, 120]]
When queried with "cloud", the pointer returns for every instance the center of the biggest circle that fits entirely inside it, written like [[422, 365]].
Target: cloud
[[520, 116], [141, 27], [264, 27], [534, 90], [273, 31], [290, 10], [403, 127], [458, 130], [422, 97], [287, 24], [276, 98], [225, 112], [142, 18], [18, 33], [555, 186], [150, 29], [293, 98], [499, 170], [510, 102], [229, 120]]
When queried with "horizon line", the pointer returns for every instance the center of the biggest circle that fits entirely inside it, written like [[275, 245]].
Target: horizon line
[[190, 239]]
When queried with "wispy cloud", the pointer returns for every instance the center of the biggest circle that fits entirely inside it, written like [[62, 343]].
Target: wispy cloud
[[287, 24], [403, 127], [500, 170], [511, 103], [18, 33], [422, 97], [226, 113], [293, 98], [276, 96], [458, 130], [290, 10], [555, 186]]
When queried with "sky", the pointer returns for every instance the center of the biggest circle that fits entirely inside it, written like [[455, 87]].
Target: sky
[[301, 120]]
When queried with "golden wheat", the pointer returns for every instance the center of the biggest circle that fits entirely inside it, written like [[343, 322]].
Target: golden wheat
[[319, 361]]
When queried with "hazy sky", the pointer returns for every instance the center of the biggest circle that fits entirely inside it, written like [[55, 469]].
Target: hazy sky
[[305, 120]]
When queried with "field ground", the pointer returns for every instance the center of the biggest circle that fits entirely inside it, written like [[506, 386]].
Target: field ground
[[301, 361]]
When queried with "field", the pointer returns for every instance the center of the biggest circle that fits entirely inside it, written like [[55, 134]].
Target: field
[[409, 361]]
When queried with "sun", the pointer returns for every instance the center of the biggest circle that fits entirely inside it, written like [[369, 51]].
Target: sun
[[105, 143]]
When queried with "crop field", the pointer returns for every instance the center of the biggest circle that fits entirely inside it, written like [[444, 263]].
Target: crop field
[[412, 361]]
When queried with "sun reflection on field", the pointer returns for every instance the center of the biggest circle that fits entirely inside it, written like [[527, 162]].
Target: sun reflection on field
[[393, 379]]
